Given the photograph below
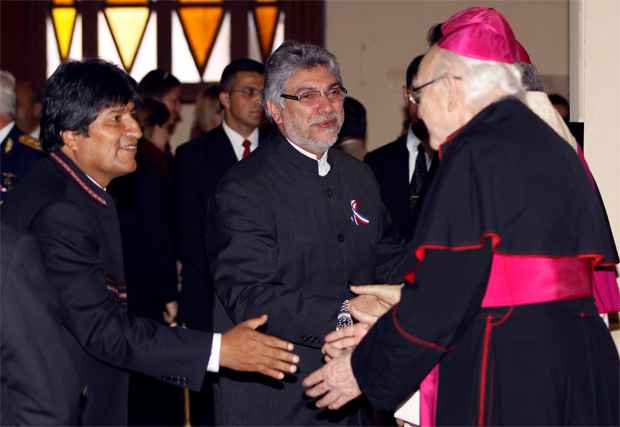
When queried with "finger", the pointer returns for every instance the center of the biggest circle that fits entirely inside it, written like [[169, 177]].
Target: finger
[[327, 358], [363, 317], [333, 352], [328, 399], [345, 343], [255, 322], [339, 403], [364, 289], [314, 378], [339, 334], [278, 365], [274, 342], [277, 375], [318, 390]]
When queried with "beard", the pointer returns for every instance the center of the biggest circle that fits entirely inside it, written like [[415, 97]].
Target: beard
[[294, 132]]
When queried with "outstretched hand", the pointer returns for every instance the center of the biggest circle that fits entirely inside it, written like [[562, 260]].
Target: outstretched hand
[[373, 301], [247, 350]]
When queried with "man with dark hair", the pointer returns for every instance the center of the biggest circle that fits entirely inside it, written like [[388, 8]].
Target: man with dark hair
[[405, 167], [18, 150], [296, 223], [91, 135], [199, 166]]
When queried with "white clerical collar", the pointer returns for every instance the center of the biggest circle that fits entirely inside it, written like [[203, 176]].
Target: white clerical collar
[[236, 139], [95, 182], [323, 165], [5, 131]]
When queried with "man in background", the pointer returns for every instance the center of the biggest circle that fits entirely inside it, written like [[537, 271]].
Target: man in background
[[18, 150], [404, 168]]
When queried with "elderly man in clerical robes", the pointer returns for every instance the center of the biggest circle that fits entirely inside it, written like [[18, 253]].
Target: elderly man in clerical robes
[[500, 287]]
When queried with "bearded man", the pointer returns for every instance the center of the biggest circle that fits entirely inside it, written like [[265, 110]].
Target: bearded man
[[298, 223], [500, 292]]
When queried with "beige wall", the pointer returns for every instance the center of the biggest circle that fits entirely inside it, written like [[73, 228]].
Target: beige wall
[[374, 41], [596, 56]]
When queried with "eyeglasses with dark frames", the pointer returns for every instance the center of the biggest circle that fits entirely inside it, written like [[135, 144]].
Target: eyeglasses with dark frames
[[313, 97], [249, 92], [415, 92]]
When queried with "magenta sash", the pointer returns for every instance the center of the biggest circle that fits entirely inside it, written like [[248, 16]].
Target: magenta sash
[[519, 280]]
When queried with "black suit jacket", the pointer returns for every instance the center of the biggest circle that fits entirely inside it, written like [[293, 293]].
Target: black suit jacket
[[199, 166], [288, 247], [390, 164], [76, 226], [18, 153], [144, 205], [40, 385]]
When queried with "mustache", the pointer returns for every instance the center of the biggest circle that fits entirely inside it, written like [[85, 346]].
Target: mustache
[[326, 118]]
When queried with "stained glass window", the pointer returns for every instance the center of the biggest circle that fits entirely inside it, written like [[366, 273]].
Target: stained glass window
[[196, 42]]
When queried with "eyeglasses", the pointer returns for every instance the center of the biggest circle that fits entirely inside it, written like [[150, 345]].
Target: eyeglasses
[[249, 92], [415, 93], [312, 98]]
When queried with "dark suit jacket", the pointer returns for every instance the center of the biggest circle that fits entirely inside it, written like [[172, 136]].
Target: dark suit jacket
[[18, 153], [390, 164], [40, 385], [144, 205], [289, 248], [76, 226], [199, 165]]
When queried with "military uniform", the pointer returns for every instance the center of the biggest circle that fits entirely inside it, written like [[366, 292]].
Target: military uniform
[[18, 152]]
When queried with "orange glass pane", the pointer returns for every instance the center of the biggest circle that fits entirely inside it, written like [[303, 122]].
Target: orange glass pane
[[127, 25], [122, 2], [63, 2], [201, 25], [199, 1], [266, 21], [64, 22]]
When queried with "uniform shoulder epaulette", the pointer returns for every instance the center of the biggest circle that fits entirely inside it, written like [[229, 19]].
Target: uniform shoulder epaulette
[[30, 141]]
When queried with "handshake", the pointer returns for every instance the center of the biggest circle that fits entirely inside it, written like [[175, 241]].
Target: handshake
[[335, 384], [247, 350]]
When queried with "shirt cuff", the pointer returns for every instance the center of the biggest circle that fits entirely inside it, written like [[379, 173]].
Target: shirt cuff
[[214, 358]]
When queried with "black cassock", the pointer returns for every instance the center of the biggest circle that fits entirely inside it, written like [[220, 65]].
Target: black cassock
[[510, 212], [290, 244]]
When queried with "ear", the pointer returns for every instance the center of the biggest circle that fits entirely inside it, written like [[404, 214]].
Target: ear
[[276, 112], [225, 99], [405, 95], [71, 139], [452, 100]]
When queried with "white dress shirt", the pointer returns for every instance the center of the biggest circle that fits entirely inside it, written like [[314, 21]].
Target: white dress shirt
[[5, 131], [322, 164], [412, 146], [236, 139]]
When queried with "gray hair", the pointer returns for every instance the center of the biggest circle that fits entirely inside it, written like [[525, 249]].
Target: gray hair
[[290, 57], [530, 78], [7, 93], [485, 81]]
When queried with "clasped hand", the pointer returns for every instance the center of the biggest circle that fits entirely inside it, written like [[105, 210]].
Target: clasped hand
[[335, 382]]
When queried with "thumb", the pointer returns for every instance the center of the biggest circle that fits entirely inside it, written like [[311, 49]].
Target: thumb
[[367, 290], [255, 322]]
